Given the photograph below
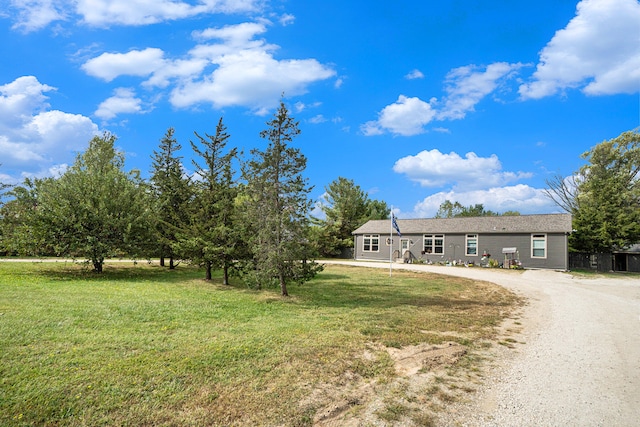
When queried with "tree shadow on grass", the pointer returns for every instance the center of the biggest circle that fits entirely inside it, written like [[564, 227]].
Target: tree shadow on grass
[[141, 272], [337, 291]]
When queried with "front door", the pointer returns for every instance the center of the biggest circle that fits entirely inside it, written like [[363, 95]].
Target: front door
[[404, 246]]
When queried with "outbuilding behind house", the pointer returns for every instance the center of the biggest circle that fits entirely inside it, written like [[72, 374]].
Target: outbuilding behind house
[[535, 241]]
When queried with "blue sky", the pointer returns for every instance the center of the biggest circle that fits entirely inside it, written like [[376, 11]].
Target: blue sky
[[416, 101]]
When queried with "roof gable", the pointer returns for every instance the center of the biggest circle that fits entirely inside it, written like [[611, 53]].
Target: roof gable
[[544, 223]]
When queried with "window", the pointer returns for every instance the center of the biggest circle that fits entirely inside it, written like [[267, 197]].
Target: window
[[371, 242], [433, 244], [471, 243], [538, 246]]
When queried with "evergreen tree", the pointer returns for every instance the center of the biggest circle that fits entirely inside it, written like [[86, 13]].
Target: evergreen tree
[[377, 209], [606, 216], [347, 207], [172, 192], [211, 239], [277, 207]]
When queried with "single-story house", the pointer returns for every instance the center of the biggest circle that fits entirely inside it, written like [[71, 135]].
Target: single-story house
[[532, 241]]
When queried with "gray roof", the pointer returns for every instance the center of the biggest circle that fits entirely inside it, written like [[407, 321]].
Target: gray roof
[[633, 249], [547, 223]]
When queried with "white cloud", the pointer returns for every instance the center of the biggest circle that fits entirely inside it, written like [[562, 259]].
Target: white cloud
[[317, 119], [301, 106], [406, 117], [470, 180], [56, 171], [247, 72], [34, 138], [414, 74], [521, 198], [320, 202], [465, 87], [598, 52], [36, 14], [108, 66], [441, 130], [435, 169], [244, 70], [31, 15], [20, 98], [234, 35], [176, 70], [7, 179], [286, 19], [371, 129], [122, 101], [251, 78]]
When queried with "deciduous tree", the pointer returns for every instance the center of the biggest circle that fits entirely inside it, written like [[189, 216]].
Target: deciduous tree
[[16, 237], [95, 209], [456, 209], [3, 187], [606, 215], [563, 190]]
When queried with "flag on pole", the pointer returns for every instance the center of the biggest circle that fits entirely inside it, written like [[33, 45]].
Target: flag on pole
[[395, 224]]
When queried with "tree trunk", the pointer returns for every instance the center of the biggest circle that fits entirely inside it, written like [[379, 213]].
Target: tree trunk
[[283, 285], [171, 264], [97, 266], [208, 271], [162, 261], [225, 274]]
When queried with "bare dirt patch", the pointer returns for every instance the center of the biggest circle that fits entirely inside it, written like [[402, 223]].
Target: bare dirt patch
[[422, 384], [424, 357]]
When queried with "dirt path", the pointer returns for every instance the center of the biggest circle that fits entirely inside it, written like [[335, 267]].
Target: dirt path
[[578, 361]]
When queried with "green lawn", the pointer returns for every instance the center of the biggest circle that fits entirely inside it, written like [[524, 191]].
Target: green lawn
[[142, 345]]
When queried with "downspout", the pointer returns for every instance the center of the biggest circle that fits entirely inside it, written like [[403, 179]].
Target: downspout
[[355, 246], [566, 251]]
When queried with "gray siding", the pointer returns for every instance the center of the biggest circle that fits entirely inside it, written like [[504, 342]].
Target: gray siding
[[455, 248], [494, 234]]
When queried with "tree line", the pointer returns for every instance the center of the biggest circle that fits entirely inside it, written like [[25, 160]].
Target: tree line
[[603, 196], [254, 222]]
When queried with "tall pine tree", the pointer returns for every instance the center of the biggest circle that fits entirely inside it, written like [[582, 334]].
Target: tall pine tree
[[172, 191], [277, 207], [210, 239]]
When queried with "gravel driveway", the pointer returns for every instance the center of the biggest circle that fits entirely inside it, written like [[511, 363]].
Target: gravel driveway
[[579, 361]]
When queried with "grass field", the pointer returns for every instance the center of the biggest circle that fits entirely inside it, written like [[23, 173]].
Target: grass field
[[142, 345]]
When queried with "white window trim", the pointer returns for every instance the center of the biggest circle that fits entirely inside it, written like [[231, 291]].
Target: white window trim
[[539, 237], [433, 244], [370, 237], [468, 237]]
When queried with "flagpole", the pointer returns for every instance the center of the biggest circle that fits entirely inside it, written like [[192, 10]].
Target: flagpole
[[394, 224], [391, 243]]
